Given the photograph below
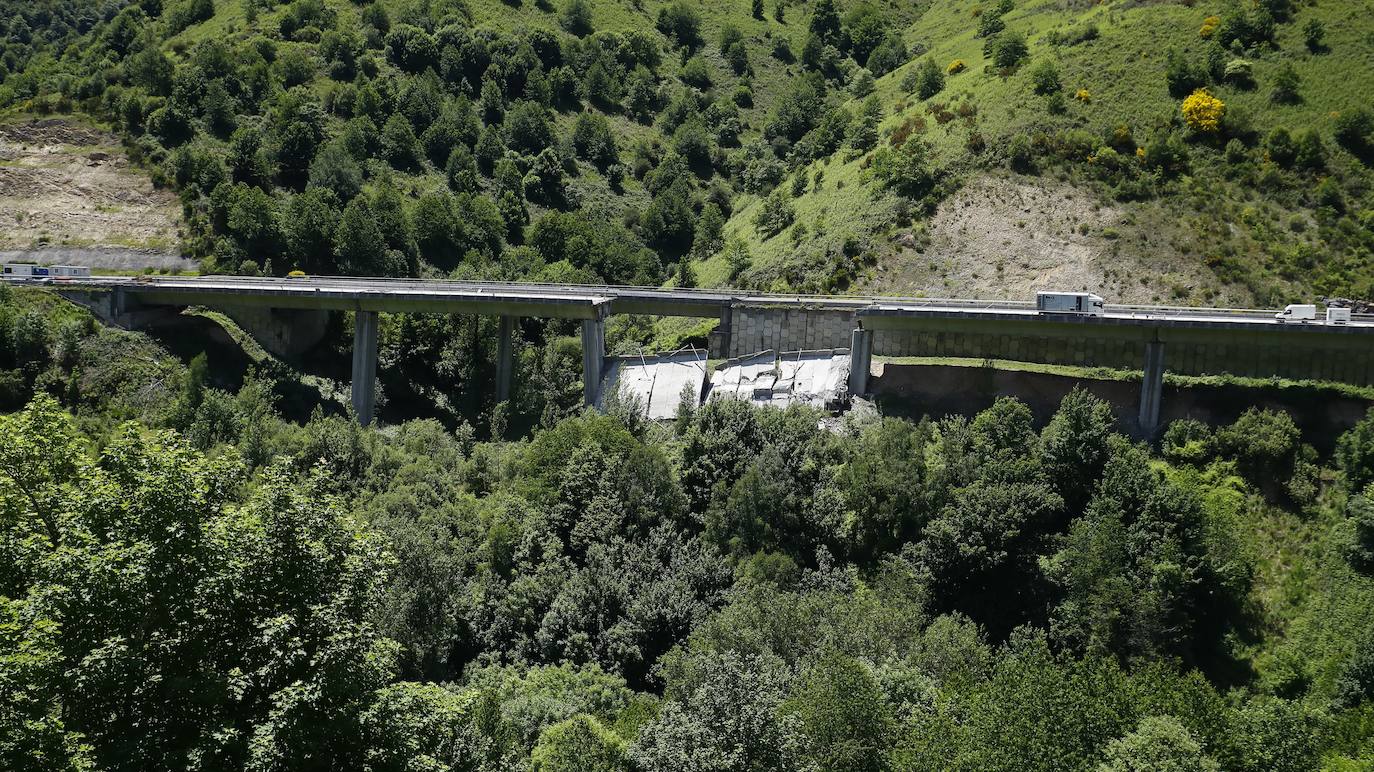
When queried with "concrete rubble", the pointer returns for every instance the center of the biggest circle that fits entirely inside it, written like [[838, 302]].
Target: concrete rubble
[[817, 378]]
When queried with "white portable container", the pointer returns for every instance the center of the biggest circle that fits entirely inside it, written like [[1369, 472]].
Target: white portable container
[[1337, 315], [70, 271], [1297, 313], [1069, 303], [21, 270]]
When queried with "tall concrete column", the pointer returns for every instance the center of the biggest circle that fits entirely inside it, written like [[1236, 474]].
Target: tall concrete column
[[860, 360], [593, 354], [505, 360], [718, 341], [365, 366], [1152, 388]]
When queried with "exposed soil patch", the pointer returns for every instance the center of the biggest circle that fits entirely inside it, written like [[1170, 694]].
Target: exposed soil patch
[[69, 185], [1007, 237]]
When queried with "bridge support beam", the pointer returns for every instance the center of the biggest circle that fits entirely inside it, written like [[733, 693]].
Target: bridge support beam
[[365, 366], [593, 356], [505, 359], [860, 360], [1152, 388]]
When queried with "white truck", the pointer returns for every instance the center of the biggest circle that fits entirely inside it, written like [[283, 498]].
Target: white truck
[[1337, 315], [1069, 303], [1297, 312]]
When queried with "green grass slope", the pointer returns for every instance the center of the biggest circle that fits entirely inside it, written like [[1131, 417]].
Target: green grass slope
[[1263, 229]]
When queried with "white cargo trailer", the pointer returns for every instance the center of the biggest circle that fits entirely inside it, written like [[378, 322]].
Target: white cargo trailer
[[70, 271], [1069, 303], [1336, 315]]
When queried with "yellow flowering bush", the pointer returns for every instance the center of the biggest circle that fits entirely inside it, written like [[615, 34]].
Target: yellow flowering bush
[[956, 66], [1209, 27], [1083, 96], [1203, 112]]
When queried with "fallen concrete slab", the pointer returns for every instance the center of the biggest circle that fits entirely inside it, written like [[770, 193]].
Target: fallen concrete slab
[[657, 382]]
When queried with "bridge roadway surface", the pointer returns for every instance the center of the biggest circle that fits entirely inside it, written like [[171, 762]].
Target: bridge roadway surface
[[596, 301]]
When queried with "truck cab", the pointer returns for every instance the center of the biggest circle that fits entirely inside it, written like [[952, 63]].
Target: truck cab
[[1070, 303], [1297, 312]]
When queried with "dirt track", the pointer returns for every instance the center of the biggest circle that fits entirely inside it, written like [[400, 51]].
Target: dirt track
[[67, 185]]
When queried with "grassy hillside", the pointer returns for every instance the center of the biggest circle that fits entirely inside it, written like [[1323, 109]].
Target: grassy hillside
[[766, 116], [1258, 227]]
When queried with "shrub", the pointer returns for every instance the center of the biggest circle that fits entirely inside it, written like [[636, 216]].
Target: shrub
[[1166, 153], [1020, 155], [775, 214], [695, 73], [1187, 441], [1286, 85], [1045, 78], [955, 67], [1314, 34], [1239, 73], [681, 22], [1359, 550], [1009, 49], [1311, 151], [1235, 152], [1354, 130], [1355, 454], [929, 80], [1182, 75], [1209, 27], [1264, 443], [906, 169], [1083, 95], [1280, 146], [577, 18], [1203, 112]]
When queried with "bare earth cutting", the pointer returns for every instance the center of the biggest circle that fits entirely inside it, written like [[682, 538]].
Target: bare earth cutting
[[1004, 237], [71, 188]]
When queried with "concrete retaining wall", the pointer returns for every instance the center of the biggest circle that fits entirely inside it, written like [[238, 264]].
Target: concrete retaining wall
[[940, 390], [759, 328]]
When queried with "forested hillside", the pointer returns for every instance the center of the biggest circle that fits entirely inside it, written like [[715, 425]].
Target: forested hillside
[[1190, 152], [209, 586], [195, 575]]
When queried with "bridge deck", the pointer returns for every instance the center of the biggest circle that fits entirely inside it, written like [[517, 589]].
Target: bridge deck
[[595, 301]]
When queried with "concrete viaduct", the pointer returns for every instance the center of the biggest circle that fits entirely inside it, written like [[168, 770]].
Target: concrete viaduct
[[1198, 340]]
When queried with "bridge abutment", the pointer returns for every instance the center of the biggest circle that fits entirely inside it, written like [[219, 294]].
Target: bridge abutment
[[365, 366]]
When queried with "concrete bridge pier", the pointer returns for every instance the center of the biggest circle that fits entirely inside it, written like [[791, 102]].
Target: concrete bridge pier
[[718, 341], [593, 357], [1152, 388], [365, 366], [505, 358], [860, 360]]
